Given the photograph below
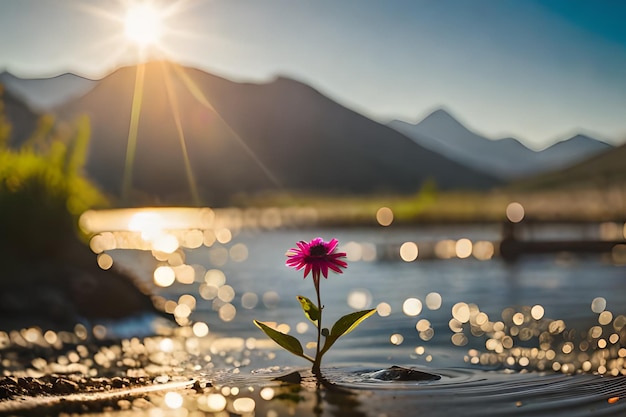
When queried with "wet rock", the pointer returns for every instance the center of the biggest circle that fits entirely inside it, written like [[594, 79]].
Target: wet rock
[[290, 378], [64, 386], [200, 387], [58, 385], [398, 373], [117, 382]]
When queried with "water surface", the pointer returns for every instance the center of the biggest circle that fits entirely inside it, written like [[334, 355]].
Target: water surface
[[541, 336]]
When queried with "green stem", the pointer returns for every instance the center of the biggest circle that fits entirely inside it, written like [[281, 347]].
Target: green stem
[[318, 358]]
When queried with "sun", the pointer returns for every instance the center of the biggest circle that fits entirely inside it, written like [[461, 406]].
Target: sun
[[143, 24]]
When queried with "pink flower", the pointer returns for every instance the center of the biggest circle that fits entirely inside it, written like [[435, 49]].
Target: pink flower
[[317, 256]]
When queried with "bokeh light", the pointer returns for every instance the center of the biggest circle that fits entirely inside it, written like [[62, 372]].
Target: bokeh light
[[433, 301], [384, 216], [238, 252], [396, 339], [422, 325], [223, 235], [461, 312], [105, 261], [193, 239], [182, 311], [483, 250], [249, 300], [244, 405], [515, 212], [215, 277], [383, 309], [267, 393], [200, 329], [165, 243], [445, 249], [187, 299], [212, 403], [302, 327], [164, 276], [226, 293], [618, 254], [173, 400], [359, 299], [598, 305], [412, 307], [408, 251], [185, 274], [463, 248], [227, 312], [537, 312], [271, 299], [353, 251]]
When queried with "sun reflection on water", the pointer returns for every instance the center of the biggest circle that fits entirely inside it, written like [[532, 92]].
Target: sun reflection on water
[[519, 338]]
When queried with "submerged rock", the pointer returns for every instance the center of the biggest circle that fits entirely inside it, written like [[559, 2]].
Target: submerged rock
[[398, 373], [290, 378]]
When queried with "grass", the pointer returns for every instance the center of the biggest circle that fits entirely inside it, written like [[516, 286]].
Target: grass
[[43, 189], [571, 205]]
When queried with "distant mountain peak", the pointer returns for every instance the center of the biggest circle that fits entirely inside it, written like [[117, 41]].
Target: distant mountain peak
[[442, 116], [507, 158], [441, 112], [580, 137], [282, 81], [42, 94]]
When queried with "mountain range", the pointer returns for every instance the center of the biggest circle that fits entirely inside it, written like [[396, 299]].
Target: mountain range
[[505, 158], [604, 171], [42, 94], [232, 138]]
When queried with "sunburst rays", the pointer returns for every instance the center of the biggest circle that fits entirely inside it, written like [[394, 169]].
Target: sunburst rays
[[155, 48], [193, 88], [133, 130], [181, 135], [172, 98]]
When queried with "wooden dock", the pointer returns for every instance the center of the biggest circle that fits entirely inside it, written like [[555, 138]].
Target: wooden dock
[[512, 246], [518, 240], [511, 249]]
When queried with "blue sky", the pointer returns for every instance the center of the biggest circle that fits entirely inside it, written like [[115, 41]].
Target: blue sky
[[539, 70]]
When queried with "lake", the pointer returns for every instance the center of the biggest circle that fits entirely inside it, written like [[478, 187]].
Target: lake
[[544, 335]]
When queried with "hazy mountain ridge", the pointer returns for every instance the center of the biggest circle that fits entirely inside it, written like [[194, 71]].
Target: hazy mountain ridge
[[42, 94], [282, 135], [605, 171], [575, 149], [506, 158]]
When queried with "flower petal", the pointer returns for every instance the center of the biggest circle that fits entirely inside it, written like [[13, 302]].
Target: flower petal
[[332, 245], [307, 269], [316, 256]]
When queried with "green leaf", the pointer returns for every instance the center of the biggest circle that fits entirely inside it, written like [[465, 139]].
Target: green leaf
[[286, 341], [311, 311], [344, 326], [349, 322]]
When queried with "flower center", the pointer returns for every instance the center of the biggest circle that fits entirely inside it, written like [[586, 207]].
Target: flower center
[[318, 250]]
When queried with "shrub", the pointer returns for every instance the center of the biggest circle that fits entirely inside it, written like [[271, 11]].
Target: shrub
[[43, 189]]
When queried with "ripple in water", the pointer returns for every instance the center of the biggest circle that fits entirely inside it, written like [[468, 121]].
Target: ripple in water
[[457, 392]]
